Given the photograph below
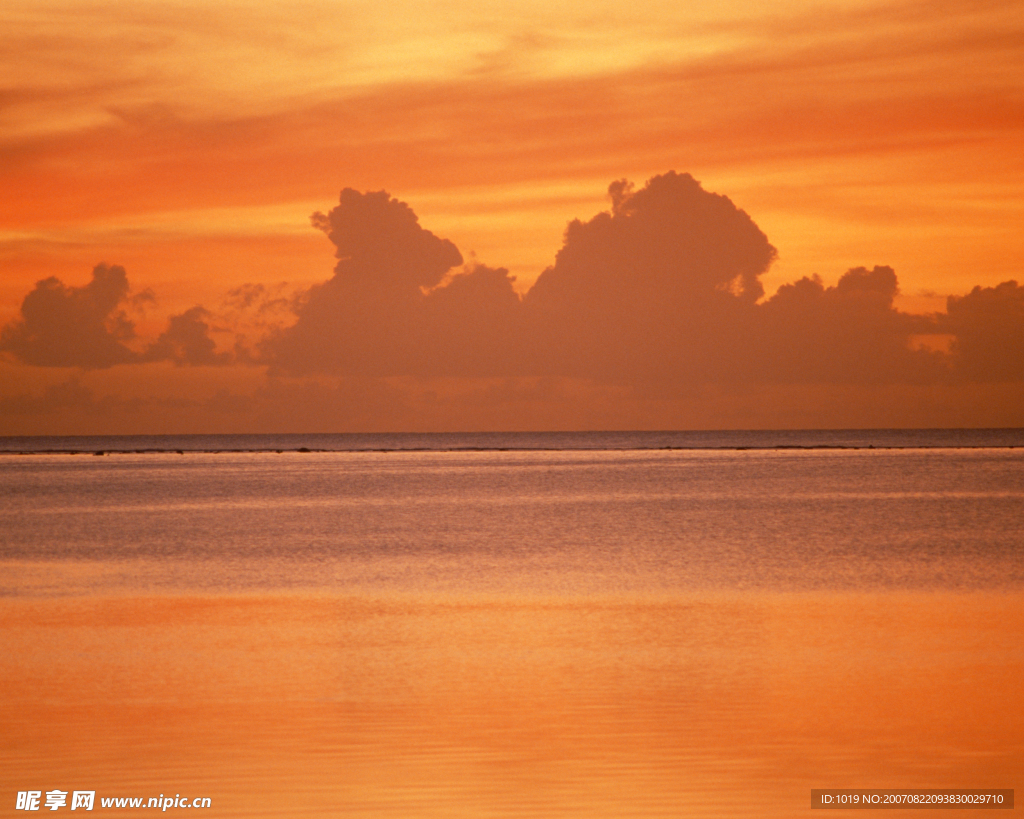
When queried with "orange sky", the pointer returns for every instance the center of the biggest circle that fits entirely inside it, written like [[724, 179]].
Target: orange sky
[[190, 142]]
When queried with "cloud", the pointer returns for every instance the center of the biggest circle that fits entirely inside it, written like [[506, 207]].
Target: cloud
[[660, 286], [663, 285], [88, 327], [395, 305], [260, 298], [989, 327], [74, 326], [848, 333], [650, 305], [662, 289], [379, 239], [661, 293], [187, 341]]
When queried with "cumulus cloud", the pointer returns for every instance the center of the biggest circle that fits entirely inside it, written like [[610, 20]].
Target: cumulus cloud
[[380, 242], [64, 326], [663, 289], [848, 333], [672, 238], [395, 305], [659, 295], [88, 327], [187, 341], [989, 327], [662, 286]]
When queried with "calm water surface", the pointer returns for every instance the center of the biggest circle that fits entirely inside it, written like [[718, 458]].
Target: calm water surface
[[515, 630]]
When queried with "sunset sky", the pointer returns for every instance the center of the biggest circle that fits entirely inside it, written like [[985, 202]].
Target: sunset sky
[[161, 163]]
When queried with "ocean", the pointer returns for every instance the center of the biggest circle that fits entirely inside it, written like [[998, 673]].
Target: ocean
[[535, 624]]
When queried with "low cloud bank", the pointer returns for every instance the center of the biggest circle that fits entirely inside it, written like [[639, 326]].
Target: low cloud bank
[[74, 326], [988, 324], [662, 291], [658, 294], [88, 327]]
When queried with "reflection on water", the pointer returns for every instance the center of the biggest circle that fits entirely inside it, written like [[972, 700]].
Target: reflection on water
[[512, 634], [295, 705]]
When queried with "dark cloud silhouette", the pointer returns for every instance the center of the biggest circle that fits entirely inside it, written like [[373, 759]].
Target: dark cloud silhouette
[[989, 327], [74, 326], [633, 294], [88, 327], [379, 240], [655, 299], [670, 239], [661, 293], [394, 305], [848, 333], [187, 341], [662, 286], [662, 289]]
